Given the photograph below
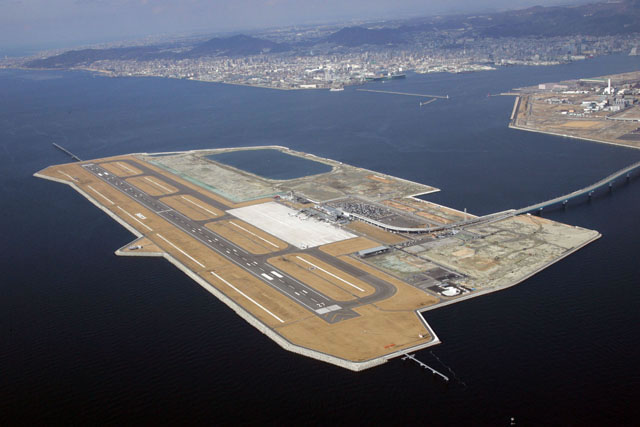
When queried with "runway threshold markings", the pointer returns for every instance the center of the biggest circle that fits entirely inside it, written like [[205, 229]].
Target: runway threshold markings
[[67, 175], [100, 194], [183, 252], [135, 219], [158, 184], [201, 207], [123, 166], [254, 234], [247, 297], [331, 274]]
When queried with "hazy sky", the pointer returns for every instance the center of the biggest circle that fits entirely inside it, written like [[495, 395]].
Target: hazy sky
[[56, 22]]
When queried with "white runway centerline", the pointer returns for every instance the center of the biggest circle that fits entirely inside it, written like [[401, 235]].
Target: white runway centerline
[[100, 194], [158, 184], [330, 274], [247, 297], [67, 175], [201, 207], [136, 219], [253, 234], [123, 166], [183, 252]]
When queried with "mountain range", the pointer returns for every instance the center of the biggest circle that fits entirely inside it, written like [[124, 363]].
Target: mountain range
[[596, 19]]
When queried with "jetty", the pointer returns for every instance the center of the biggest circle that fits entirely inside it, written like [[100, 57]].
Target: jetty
[[69, 153], [422, 95], [425, 366]]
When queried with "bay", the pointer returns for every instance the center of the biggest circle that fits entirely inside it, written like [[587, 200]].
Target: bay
[[89, 337]]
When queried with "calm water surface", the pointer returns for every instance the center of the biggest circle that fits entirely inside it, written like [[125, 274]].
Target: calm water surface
[[89, 337], [271, 164]]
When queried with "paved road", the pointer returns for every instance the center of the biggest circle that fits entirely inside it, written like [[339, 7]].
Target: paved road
[[330, 310]]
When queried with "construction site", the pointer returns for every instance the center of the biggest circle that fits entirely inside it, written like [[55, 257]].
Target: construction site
[[329, 260]]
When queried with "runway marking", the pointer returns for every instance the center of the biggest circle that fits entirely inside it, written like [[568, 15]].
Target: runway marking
[[266, 276], [247, 297], [254, 234], [123, 166], [67, 175], [135, 219], [101, 195], [330, 274], [278, 275], [201, 207], [183, 252], [158, 184], [329, 309]]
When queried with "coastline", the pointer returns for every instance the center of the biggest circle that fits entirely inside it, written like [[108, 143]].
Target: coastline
[[600, 141]]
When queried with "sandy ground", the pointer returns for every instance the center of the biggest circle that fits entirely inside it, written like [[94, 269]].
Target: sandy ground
[[375, 233], [192, 207]]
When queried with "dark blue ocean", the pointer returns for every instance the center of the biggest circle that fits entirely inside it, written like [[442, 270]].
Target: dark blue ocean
[[87, 337]]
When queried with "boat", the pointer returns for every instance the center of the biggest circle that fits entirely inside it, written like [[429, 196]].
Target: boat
[[383, 77]]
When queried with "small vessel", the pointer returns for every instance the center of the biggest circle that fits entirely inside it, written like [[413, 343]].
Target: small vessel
[[336, 89]]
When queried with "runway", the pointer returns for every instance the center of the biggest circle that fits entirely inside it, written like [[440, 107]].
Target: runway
[[329, 310]]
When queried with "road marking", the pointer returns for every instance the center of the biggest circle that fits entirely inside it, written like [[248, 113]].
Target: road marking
[[136, 219], [158, 184], [201, 207], [330, 274], [329, 309], [254, 234], [100, 194], [266, 276], [183, 252], [247, 297], [123, 166], [67, 175]]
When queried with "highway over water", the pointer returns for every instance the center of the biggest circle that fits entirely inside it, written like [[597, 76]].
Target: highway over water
[[605, 182]]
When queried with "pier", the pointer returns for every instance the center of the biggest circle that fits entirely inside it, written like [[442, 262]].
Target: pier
[[69, 153], [425, 366], [405, 93]]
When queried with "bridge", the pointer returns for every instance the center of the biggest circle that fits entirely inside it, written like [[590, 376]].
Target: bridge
[[589, 190], [473, 221]]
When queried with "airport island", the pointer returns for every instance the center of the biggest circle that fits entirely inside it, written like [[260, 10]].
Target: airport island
[[329, 260]]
